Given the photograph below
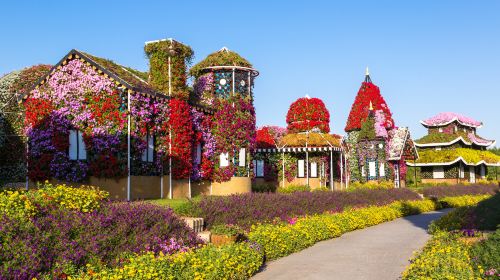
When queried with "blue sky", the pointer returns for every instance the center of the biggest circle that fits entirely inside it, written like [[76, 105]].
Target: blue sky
[[426, 56]]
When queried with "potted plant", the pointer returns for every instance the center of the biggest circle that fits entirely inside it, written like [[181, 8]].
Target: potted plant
[[224, 234]]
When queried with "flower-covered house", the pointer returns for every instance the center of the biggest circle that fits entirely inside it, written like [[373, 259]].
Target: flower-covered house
[[305, 153], [144, 135], [452, 151], [377, 149]]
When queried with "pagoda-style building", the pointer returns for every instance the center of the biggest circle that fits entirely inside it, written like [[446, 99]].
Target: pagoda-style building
[[452, 151], [377, 149]]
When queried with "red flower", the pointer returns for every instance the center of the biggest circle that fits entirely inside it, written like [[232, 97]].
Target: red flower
[[361, 107], [306, 114]]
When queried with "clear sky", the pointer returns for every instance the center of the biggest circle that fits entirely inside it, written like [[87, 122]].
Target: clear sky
[[426, 56]]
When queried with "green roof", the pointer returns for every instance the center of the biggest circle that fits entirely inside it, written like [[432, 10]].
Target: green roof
[[445, 138], [223, 57], [470, 156], [135, 78]]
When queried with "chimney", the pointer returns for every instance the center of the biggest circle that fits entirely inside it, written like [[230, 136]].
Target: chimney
[[168, 60]]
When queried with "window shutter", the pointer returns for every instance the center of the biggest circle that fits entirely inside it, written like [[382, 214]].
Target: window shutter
[[314, 169], [242, 157], [438, 172], [260, 168], [382, 169], [300, 162], [372, 169], [144, 156], [224, 159], [82, 152], [151, 148], [73, 145], [198, 153]]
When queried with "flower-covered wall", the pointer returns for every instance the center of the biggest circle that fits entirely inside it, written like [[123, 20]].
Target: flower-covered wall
[[78, 98]]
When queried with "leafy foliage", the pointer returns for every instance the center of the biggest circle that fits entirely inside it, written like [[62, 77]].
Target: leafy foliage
[[469, 155], [222, 57], [444, 191]]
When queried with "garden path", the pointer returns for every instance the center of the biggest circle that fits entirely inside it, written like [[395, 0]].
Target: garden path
[[377, 252]]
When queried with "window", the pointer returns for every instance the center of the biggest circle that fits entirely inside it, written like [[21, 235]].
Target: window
[[363, 172], [77, 149], [242, 157], [456, 128], [461, 172], [224, 159], [372, 166], [314, 169], [482, 171], [382, 170], [198, 153], [440, 129], [301, 168], [438, 148], [258, 168], [148, 153], [438, 172]]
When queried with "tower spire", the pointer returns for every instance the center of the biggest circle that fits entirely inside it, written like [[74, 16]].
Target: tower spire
[[367, 76]]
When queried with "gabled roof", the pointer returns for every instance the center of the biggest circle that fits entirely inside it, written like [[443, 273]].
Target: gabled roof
[[122, 76], [446, 118], [399, 139]]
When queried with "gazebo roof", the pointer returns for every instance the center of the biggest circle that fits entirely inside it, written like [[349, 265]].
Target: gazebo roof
[[446, 118], [221, 58]]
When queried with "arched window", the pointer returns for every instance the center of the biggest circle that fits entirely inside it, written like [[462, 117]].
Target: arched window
[[77, 150]]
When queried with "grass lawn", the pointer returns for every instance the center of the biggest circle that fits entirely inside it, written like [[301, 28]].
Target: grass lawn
[[181, 206]]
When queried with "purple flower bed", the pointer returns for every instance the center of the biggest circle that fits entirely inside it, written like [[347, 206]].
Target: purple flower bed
[[458, 190], [59, 239], [247, 209]]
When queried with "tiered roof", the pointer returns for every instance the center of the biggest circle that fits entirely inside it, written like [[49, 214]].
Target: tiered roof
[[448, 157], [446, 118], [444, 139]]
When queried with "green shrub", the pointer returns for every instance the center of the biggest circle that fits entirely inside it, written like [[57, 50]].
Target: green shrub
[[229, 230], [443, 257], [452, 220], [234, 261], [321, 189], [371, 185], [294, 188], [487, 255], [461, 201], [263, 188]]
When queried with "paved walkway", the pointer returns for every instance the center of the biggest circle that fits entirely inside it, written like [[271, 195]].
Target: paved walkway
[[378, 252]]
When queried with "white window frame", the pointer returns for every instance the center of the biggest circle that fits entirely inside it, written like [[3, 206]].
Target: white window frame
[[301, 168], [77, 149], [440, 129], [313, 167], [461, 172], [438, 148], [381, 169], [242, 157], [363, 171], [438, 172], [372, 168], [148, 153], [224, 160]]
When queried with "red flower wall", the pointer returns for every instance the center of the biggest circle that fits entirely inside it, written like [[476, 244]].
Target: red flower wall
[[360, 108], [306, 114]]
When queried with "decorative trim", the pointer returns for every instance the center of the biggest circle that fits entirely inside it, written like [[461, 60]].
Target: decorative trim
[[299, 149], [448, 122], [453, 142], [452, 162]]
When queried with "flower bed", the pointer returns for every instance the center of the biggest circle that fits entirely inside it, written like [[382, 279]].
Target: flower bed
[[52, 233], [463, 253], [447, 191], [235, 261], [247, 209], [27, 203]]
